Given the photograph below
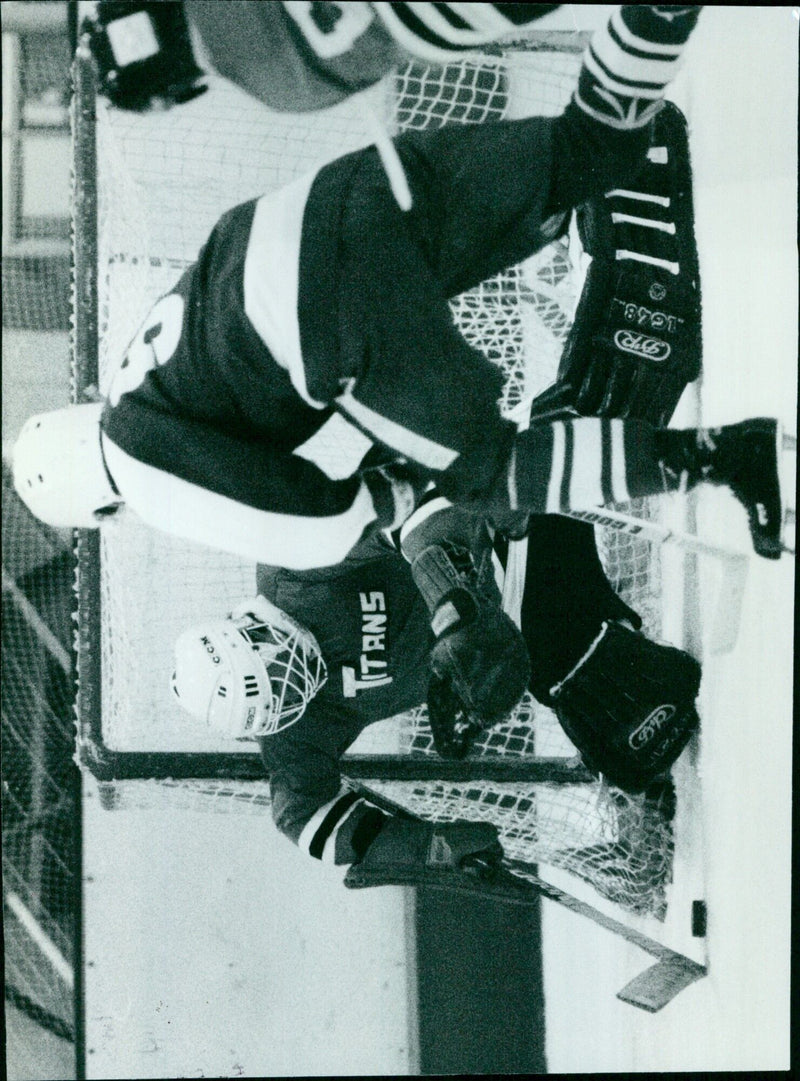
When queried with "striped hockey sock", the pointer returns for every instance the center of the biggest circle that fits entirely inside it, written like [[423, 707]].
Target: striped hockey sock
[[628, 65], [583, 463]]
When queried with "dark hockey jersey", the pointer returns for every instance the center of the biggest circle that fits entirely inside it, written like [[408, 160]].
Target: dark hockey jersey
[[209, 413], [373, 629]]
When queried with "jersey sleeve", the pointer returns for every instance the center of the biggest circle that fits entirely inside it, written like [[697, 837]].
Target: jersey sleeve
[[310, 803], [233, 493]]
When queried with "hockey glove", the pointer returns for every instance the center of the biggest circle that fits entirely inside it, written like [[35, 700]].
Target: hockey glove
[[143, 54], [408, 852], [635, 342], [479, 661], [628, 706]]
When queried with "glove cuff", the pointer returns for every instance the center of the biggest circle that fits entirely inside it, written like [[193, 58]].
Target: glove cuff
[[441, 569]]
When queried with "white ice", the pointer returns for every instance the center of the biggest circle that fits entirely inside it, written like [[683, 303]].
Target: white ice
[[739, 90]]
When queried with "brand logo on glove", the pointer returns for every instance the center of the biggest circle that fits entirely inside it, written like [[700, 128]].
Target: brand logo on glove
[[650, 727], [642, 346], [651, 318]]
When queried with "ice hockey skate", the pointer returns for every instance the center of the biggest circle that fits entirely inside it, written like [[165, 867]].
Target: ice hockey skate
[[754, 459]]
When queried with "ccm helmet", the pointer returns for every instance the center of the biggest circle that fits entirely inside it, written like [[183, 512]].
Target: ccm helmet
[[250, 675], [59, 471]]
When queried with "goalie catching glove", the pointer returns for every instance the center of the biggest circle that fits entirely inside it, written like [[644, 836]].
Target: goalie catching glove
[[635, 341], [628, 706], [479, 661]]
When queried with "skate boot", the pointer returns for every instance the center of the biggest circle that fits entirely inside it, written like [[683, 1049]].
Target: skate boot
[[746, 457]]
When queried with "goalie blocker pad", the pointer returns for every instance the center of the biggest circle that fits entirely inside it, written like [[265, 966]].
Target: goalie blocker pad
[[460, 856], [635, 342]]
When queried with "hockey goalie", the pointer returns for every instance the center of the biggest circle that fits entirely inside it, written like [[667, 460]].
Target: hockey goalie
[[317, 656]]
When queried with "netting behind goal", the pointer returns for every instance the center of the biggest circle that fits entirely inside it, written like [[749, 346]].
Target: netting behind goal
[[161, 182]]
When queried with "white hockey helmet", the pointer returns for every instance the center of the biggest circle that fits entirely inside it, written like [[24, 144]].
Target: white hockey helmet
[[250, 675], [59, 471]]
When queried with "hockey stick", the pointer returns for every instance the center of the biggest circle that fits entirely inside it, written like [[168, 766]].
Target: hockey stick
[[517, 882], [723, 625]]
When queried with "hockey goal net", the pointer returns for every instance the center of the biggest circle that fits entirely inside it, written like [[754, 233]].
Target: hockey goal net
[[148, 190]]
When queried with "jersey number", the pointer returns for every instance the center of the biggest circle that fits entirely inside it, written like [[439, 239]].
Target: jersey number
[[155, 343]]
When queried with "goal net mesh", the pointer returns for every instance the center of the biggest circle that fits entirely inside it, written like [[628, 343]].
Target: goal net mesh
[[162, 181]]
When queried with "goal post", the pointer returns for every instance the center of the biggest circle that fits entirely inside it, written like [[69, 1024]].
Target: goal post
[[148, 189]]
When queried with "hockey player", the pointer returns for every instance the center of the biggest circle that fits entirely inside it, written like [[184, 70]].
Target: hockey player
[[324, 301], [292, 56], [320, 654]]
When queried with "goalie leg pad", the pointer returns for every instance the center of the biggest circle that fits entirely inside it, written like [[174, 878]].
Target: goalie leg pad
[[628, 706], [635, 342]]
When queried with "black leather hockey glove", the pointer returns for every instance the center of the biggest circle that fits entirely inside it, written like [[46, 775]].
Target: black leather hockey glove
[[143, 54], [635, 342], [479, 661], [628, 706]]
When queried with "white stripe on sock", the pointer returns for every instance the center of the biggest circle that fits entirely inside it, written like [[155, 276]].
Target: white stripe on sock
[[643, 44], [628, 120], [625, 65], [637, 90], [556, 469], [306, 838], [585, 488]]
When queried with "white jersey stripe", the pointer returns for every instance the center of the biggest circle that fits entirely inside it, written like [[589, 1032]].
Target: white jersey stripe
[[415, 446], [456, 40], [197, 514], [476, 32], [488, 17], [272, 277]]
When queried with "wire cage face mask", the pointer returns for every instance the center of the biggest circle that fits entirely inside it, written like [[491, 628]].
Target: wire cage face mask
[[250, 675], [292, 662]]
